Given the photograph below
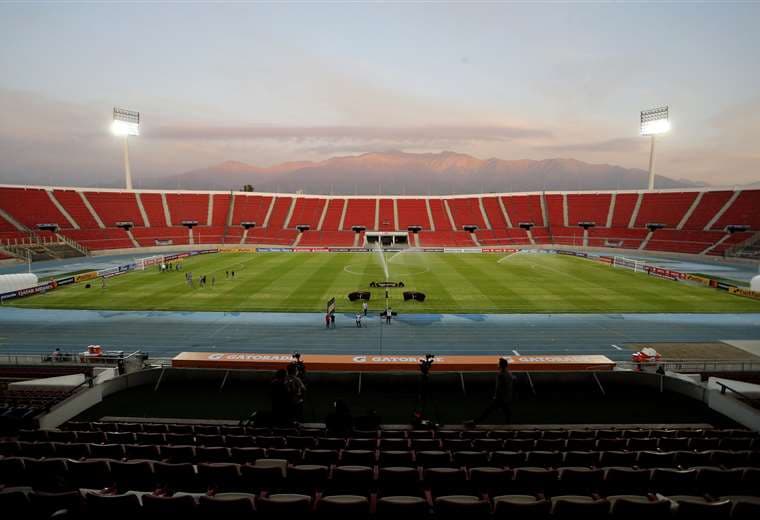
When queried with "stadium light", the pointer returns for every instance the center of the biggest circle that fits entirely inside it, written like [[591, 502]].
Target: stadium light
[[654, 122], [126, 123]]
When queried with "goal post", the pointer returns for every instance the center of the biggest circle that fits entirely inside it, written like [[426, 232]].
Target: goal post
[[636, 266], [142, 263]]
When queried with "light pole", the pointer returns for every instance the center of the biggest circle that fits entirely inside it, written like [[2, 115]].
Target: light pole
[[654, 122], [126, 123]]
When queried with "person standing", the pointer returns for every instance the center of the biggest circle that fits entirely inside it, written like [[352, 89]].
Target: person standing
[[364, 307], [278, 392], [359, 320], [227, 275], [388, 314], [502, 397], [332, 319], [213, 280], [296, 392], [327, 320], [232, 274]]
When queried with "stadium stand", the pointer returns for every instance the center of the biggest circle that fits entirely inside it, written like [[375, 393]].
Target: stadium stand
[[31, 206], [588, 208], [360, 212], [206, 469], [709, 205], [74, 205], [412, 212], [220, 209], [524, 208], [386, 219], [114, 206], [154, 209], [625, 203], [250, 208], [308, 212], [664, 208], [466, 212], [703, 215], [743, 211], [188, 206]]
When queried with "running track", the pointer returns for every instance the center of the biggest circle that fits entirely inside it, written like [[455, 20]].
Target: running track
[[166, 333]]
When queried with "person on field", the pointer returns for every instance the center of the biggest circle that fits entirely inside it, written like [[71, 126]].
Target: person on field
[[358, 320], [232, 274], [327, 320], [213, 280], [388, 314], [364, 307], [227, 275], [332, 319], [502, 396]]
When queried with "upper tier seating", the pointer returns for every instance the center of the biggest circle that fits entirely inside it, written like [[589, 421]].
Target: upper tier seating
[[360, 212], [412, 212], [74, 205], [154, 208], [188, 207], [250, 208], [588, 208], [466, 212], [664, 208], [115, 206], [524, 208], [555, 221], [308, 211], [31, 206], [743, 211], [386, 219]]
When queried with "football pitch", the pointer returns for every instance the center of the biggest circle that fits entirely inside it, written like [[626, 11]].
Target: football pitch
[[452, 283]]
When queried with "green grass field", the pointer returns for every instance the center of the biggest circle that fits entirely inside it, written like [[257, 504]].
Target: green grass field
[[453, 283]]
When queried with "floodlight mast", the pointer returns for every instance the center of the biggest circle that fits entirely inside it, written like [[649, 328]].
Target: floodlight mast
[[126, 123], [654, 122]]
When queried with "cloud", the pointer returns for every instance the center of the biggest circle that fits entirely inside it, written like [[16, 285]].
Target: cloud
[[340, 132], [621, 144]]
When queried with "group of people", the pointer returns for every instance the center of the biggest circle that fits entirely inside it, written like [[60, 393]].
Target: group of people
[[288, 391], [330, 316], [168, 266], [202, 280], [229, 275]]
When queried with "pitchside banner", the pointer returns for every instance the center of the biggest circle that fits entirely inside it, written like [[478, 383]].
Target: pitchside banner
[[745, 292], [659, 272], [28, 292], [390, 363], [498, 250], [274, 249]]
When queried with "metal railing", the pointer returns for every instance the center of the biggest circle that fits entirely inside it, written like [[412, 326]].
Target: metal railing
[[695, 365], [753, 401]]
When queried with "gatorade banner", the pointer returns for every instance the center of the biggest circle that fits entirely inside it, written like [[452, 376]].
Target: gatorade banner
[[390, 363], [85, 276], [745, 292]]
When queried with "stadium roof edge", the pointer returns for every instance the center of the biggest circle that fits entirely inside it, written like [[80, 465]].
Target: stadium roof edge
[[348, 196]]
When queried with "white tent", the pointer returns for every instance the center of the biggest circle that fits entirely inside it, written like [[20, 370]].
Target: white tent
[[16, 282]]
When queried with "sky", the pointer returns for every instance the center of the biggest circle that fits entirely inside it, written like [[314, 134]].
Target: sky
[[264, 83]]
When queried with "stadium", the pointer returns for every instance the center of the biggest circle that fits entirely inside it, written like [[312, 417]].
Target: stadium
[[496, 354]]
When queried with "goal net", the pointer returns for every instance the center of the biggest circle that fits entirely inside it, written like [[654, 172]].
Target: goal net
[[628, 263], [142, 263]]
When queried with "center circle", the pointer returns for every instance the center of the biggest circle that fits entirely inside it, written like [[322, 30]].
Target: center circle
[[422, 270]]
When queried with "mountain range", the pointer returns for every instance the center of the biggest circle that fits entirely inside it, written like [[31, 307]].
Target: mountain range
[[398, 173]]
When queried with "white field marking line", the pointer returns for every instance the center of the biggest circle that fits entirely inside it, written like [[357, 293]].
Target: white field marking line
[[412, 273], [616, 347], [510, 255], [516, 353]]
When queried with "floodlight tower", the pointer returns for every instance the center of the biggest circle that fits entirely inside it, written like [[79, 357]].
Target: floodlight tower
[[654, 122], [126, 123]]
